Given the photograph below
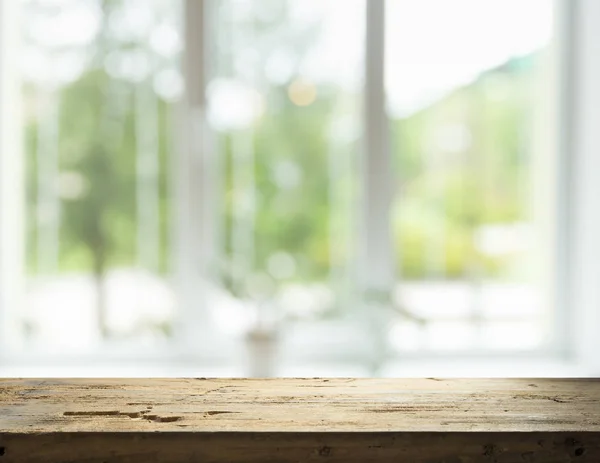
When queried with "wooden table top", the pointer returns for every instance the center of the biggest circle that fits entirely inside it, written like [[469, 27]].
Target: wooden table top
[[296, 420], [299, 405]]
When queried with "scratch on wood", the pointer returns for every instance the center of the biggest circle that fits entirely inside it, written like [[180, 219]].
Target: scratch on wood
[[93, 413], [166, 419], [210, 391], [411, 408], [557, 399], [161, 419], [112, 413]]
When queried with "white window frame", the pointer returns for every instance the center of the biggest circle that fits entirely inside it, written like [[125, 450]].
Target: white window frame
[[11, 191], [575, 69], [577, 225], [582, 314]]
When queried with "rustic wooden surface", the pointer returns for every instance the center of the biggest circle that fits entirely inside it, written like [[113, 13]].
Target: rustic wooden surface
[[291, 420]]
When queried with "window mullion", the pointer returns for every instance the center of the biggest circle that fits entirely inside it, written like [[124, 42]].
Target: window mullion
[[196, 181], [376, 258]]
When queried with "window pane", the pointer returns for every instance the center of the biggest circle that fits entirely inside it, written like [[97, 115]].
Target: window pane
[[468, 84], [288, 121], [99, 80], [465, 82]]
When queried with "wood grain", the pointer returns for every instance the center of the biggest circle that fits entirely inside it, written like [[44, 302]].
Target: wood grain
[[291, 420]]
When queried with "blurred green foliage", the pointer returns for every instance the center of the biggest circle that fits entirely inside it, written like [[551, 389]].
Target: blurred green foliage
[[477, 176]]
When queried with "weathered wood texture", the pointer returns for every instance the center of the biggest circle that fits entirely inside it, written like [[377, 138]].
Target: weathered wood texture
[[294, 420]]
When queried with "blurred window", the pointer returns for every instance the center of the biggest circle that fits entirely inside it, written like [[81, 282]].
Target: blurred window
[[114, 234], [99, 84]]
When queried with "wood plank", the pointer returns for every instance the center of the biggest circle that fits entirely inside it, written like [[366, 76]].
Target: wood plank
[[252, 420]]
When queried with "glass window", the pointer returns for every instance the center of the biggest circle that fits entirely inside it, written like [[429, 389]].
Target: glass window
[[99, 81], [288, 123], [466, 81], [110, 232]]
